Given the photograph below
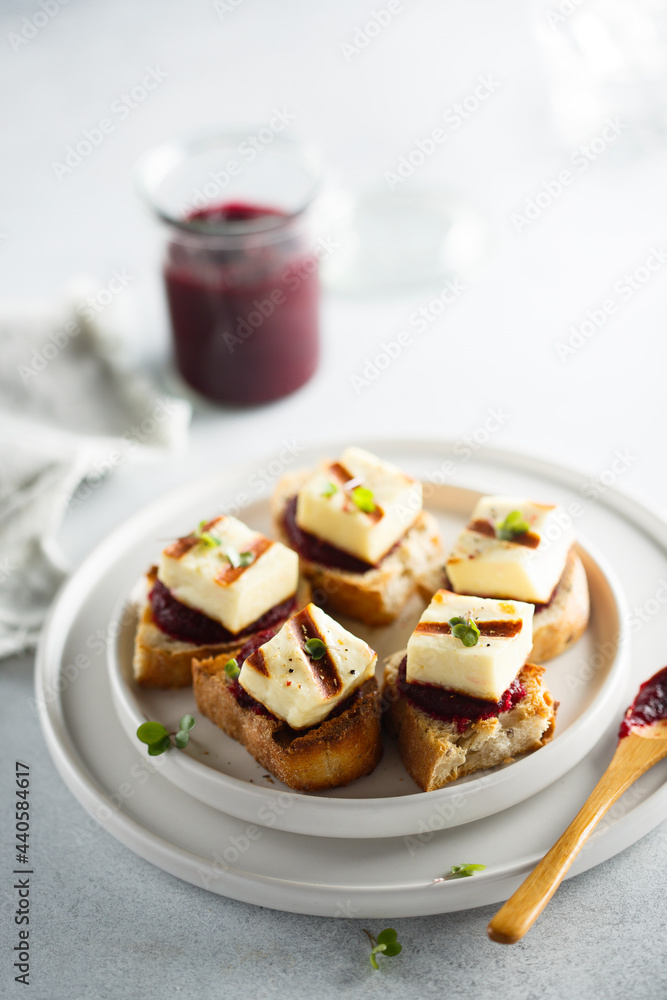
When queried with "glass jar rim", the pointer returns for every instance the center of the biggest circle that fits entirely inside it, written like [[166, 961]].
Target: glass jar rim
[[159, 163]]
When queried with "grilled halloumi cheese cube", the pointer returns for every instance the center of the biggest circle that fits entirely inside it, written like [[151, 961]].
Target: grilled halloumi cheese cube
[[301, 683], [229, 572], [526, 567], [485, 670], [359, 503]]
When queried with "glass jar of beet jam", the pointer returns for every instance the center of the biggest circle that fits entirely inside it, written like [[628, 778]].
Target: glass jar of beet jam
[[241, 261]]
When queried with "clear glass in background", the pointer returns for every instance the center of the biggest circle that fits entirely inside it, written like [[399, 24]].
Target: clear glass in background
[[241, 260], [392, 241], [605, 59]]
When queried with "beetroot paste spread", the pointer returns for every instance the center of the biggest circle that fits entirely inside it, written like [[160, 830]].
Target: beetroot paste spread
[[313, 548], [649, 706], [187, 625], [450, 706], [244, 699]]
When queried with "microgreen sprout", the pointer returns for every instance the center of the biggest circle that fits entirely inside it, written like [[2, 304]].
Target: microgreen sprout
[[329, 490], [232, 668], [182, 737], [464, 629], [158, 740], [363, 499], [205, 537], [315, 648], [236, 558], [514, 524], [460, 871], [384, 944]]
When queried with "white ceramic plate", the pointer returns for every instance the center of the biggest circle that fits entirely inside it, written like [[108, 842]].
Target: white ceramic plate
[[125, 792], [387, 803]]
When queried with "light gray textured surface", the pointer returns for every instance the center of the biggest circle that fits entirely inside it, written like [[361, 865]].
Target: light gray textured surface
[[107, 925]]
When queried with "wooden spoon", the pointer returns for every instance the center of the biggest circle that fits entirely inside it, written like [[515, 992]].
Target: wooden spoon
[[639, 748]]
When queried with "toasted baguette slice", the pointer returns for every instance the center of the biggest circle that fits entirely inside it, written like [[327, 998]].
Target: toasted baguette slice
[[557, 625], [435, 752], [162, 662], [345, 746], [377, 596]]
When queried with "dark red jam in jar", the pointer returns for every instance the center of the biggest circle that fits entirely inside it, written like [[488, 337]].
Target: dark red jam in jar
[[243, 249], [243, 298]]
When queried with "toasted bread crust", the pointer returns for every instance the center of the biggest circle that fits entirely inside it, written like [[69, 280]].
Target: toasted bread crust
[[435, 753], [162, 662], [378, 596], [343, 747], [558, 625]]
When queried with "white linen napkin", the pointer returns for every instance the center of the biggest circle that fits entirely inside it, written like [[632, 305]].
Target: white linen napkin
[[72, 407]]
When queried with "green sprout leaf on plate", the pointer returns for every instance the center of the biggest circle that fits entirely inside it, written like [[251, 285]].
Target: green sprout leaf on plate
[[315, 648], [155, 749], [363, 499], [232, 669], [151, 732], [513, 525], [182, 737], [329, 490], [158, 740], [460, 871], [384, 944], [464, 629]]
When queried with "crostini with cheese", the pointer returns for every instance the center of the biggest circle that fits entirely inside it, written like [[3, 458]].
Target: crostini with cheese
[[462, 697], [213, 590], [364, 541], [520, 550], [305, 704]]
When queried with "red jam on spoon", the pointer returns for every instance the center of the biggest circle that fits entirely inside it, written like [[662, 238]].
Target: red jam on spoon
[[649, 706]]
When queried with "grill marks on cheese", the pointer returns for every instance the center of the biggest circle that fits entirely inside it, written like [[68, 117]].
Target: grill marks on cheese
[[483, 527], [258, 662], [324, 671], [340, 473], [199, 574], [295, 686], [337, 519], [341, 476], [505, 629], [228, 574], [182, 546], [484, 670]]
